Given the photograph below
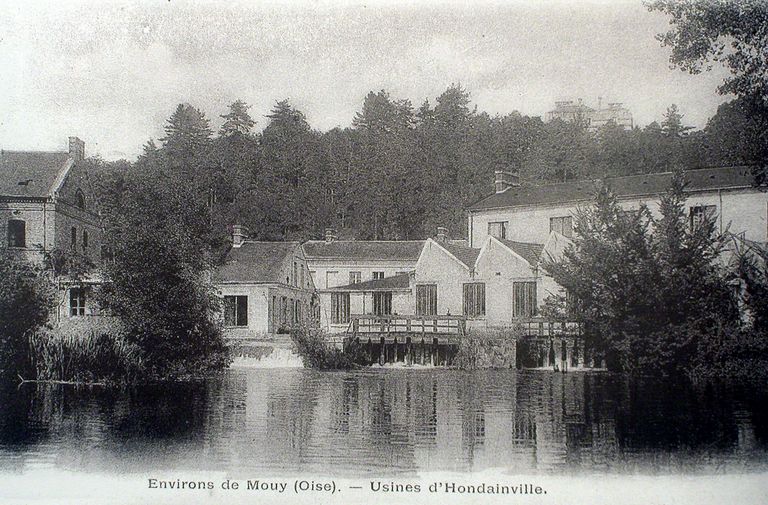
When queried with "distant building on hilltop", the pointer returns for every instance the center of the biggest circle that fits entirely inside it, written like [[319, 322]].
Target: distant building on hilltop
[[593, 118]]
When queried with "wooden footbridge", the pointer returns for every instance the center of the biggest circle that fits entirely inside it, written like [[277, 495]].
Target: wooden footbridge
[[435, 340]]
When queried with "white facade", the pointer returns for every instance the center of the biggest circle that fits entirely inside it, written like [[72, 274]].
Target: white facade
[[740, 211]]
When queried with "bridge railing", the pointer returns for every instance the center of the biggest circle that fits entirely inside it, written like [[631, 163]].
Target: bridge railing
[[368, 323]]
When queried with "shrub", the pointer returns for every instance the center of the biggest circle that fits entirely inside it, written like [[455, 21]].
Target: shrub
[[487, 349], [95, 355], [318, 353]]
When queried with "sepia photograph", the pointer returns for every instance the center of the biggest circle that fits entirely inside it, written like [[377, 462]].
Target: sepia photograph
[[345, 252]]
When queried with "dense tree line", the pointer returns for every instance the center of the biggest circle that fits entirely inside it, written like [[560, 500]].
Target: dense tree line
[[399, 171]]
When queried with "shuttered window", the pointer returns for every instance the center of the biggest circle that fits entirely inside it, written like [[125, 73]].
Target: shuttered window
[[235, 311], [474, 299], [524, 299], [339, 308], [426, 299], [382, 303], [701, 213]]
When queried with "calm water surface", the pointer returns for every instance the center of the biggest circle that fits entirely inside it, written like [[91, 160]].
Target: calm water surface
[[388, 422]]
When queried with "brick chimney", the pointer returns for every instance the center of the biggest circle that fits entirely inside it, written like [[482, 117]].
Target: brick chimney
[[76, 148], [442, 234], [330, 235], [239, 234], [505, 180]]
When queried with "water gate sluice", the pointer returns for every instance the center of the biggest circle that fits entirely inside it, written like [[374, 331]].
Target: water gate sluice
[[437, 340]]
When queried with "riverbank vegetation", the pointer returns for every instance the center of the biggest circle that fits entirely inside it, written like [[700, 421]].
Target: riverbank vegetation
[[665, 293], [26, 299], [317, 352]]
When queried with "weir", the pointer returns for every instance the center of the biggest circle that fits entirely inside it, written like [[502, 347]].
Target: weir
[[436, 340]]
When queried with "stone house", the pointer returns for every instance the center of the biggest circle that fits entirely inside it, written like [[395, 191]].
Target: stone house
[[266, 287], [47, 205]]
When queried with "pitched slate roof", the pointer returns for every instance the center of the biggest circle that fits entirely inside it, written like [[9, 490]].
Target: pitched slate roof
[[466, 255], [633, 185], [401, 250], [30, 174], [529, 251], [255, 262], [400, 281]]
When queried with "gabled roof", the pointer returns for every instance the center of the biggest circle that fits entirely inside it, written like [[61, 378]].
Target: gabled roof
[[400, 281], [634, 185], [528, 251], [466, 255], [399, 250], [255, 262], [31, 174]]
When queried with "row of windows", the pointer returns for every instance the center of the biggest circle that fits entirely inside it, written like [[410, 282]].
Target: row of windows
[[283, 311], [17, 235], [524, 302], [355, 277], [564, 224]]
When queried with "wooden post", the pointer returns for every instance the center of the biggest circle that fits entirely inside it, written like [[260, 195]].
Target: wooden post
[[382, 352], [408, 351]]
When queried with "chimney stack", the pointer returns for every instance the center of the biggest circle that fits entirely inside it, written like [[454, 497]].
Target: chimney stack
[[330, 235], [239, 234], [505, 180], [76, 148], [442, 234]]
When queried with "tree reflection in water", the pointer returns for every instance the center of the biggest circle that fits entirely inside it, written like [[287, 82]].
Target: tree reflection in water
[[387, 422]]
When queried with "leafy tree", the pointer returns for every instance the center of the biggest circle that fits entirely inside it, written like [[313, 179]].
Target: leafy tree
[[26, 298], [733, 32], [166, 305]]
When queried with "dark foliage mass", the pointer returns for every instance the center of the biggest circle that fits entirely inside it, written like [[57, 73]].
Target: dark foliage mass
[[399, 172], [655, 295], [317, 353]]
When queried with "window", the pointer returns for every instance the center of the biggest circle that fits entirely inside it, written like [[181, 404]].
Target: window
[[295, 274], [474, 299], [273, 312], [524, 299], [17, 233], [77, 302], [73, 238], [378, 275], [382, 303], [80, 199], [702, 212], [107, 255], [283, 311], [562, 225], [235, 311], [498, 229], [426, 299], [330, 279], [297, 312], [85, 240], [302, 276], [339, 308], [355, 277]]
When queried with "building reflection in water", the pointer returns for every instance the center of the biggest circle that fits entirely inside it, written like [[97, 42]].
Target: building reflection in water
[[386, 422]]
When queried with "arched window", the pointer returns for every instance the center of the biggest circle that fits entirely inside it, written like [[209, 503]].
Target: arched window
[[17, 233], [73, 238], [80, 199]]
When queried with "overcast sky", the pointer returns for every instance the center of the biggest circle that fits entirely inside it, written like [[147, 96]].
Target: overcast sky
[[112, 74]]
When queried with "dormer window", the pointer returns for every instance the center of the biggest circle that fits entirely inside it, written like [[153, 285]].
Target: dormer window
[[80, 199]]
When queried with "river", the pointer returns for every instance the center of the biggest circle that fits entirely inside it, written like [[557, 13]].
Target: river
[[388, 422]]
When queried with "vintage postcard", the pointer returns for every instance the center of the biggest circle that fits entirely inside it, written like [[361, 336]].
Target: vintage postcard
[[353, 252]]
